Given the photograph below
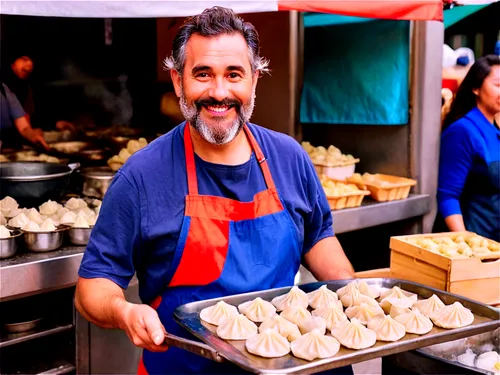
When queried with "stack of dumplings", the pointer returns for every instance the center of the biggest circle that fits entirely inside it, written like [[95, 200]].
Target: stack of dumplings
[[315, 325]]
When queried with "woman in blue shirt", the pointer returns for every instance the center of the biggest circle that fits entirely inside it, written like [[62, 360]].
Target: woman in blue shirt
[[469, 167]]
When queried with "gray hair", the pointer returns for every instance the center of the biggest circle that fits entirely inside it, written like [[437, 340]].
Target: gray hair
[[213, 22]]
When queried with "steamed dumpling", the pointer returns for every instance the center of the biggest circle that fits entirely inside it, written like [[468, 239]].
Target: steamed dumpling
[[295, 297], [284, 327], [452, 316], [31, 226], [321, 297], [354, 335], [68, 218], [333, 314], [49, 208], [429, 305], [7, 204], [364, 312], [15, 211], [467, 358], [387, 303], [75, 204], [4, 232], [313, 322], [400, 306], [3, 220], [398, 293], [47, 226], [257, 310], [80, 222], [488, 361], [314, 345], [19, 221], [415, 322], [387, 329], [268, 344], [217, 313], [35, 216], [368, 290], [295, 314], [348, 289], [356, 298], [91, 219], [238, 327]]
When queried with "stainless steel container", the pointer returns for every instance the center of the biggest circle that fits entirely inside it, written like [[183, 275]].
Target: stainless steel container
[[79, 236], [8, 246], [22, 326], [96, 180], [44, 241]]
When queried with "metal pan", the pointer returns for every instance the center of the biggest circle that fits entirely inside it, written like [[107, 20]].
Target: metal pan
[[32, 183], [486, 319]]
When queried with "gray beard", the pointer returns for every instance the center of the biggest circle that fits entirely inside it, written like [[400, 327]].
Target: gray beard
[[216, 134]]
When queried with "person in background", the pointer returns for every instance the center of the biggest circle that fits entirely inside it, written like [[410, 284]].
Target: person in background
[[14, 124], [469, 167], [17, 78]]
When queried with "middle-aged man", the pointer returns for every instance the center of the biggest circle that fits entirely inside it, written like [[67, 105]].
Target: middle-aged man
[[217, 206]]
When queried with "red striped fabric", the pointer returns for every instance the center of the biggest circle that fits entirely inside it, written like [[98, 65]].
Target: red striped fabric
[[416, 10]]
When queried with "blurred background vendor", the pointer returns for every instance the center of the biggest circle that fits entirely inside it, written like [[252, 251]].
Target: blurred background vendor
[[17, 78], [15, 128]]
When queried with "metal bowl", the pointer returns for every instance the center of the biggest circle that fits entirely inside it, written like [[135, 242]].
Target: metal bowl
[[44, 241], [96, 180], [8, 246], [22, 326], [79, 236]]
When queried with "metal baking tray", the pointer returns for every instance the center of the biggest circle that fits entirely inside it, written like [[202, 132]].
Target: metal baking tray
[[449, 351], [486, 319]]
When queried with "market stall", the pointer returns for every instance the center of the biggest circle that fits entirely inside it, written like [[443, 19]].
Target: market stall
[[57, 269]]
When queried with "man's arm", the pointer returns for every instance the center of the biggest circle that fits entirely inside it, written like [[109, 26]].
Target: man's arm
[[27, 132], [103, 303], [327, 261]]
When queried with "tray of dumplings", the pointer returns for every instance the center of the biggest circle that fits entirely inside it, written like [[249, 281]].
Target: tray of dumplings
[[324, 325]]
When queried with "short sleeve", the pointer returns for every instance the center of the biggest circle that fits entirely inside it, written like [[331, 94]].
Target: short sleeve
[[318, 223], [455, 162], [116, 237], [15, 108]]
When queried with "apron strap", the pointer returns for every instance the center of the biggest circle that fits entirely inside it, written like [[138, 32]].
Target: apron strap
[[191, 167], [260, 158]]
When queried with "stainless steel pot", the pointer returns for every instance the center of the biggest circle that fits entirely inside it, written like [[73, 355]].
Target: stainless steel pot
[[32, 183], [79, 236], [96, 180], [40, 242]]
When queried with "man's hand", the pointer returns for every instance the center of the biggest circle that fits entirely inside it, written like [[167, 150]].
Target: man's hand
[[65, 125], [143, 326], [39, 139]]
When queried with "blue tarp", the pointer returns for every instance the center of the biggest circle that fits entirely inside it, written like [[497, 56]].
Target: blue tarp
[[357, 73]]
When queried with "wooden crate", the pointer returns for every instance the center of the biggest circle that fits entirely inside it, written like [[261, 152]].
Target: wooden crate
[[475, 278], [385, 187], [348, 200]]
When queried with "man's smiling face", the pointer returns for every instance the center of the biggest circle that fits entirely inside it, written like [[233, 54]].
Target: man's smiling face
[[217, 87]]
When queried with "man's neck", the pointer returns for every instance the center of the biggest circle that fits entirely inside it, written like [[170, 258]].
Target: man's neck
[[236, 152]]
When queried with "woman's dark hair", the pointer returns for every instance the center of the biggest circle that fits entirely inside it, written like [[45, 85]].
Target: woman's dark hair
[[215, 21], [465, 99]]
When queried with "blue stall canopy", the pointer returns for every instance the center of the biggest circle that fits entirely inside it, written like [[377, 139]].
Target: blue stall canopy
[[357, 73]]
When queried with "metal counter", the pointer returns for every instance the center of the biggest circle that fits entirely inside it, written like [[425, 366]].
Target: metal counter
[[372, 213], [31, 273]]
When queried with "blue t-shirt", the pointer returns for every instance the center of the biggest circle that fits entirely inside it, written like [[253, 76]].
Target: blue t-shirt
[[10, 110], [469, 174], [142, 213]]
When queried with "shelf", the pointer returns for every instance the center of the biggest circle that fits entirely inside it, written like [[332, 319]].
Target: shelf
[[62, 369], [12, 339], [372, 213]]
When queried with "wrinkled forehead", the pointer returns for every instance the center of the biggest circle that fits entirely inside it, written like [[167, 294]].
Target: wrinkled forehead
[[217, 52]]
